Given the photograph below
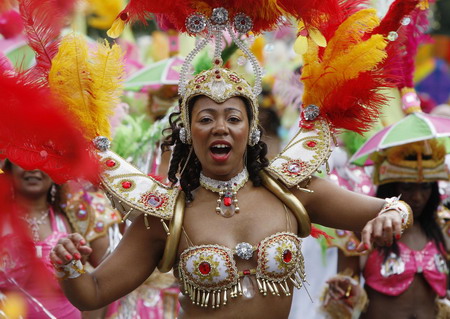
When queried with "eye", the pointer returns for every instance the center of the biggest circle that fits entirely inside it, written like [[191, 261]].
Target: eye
[[234, 119], [205, 119]]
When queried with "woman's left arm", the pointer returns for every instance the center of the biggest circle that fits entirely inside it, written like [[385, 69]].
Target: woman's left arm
[[336, 207]]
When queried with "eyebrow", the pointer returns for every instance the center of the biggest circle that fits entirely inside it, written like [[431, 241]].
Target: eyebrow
[[213, 110]]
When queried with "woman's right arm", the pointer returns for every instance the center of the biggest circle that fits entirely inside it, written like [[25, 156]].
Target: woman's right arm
[[131, 263]]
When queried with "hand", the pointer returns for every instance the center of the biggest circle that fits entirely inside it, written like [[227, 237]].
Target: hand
[[342, 287], [381, 230], [72, 247]]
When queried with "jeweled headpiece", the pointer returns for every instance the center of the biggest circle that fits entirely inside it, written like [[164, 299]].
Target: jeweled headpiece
[[414, 163], [219, 83]]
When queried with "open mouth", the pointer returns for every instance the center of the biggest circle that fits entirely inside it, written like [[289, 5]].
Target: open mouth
[[32, 178], [220, 151]]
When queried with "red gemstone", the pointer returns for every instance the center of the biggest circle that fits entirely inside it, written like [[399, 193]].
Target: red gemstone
[[246, 272], [204, 268], [239, 88], [124, 16], [218, 76], [217, 61], [110, 163], [227, 201], [287, 256], [311, 143], [197, 86], [217, 72], [126, 184]]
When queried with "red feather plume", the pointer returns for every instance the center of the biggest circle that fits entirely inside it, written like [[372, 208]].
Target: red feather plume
[[357, 103], [34, 134], [43, 20], [392, 19]]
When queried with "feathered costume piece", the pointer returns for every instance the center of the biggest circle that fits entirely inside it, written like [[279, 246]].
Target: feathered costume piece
[[35, 134], [343, 79], [43, 21], [89, 84], [266, 14]]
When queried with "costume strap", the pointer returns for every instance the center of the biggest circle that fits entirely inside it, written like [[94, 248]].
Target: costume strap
[[292, 202]]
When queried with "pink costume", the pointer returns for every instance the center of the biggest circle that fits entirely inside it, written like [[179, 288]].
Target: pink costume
[[18, 273], [393, 276]]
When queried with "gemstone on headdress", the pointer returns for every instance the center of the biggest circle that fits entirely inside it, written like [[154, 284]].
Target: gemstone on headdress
[[110, 163], [233, 77], [392, 36], [311, 112], [196, 23], [242, 23], [102, 143], [406, 20], [219, 16], [244, 250]]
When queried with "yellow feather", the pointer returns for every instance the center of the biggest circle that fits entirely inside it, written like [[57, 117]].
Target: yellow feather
[[103, 13], [107, 73], [89, 85], [350, 32], [344, 58], [69, 79], [362, 57]]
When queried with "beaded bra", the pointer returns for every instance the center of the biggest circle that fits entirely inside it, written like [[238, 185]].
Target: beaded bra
[[210, 276]]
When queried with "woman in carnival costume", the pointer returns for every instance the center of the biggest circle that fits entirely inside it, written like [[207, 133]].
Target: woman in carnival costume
[[410, 268], [235, 245]]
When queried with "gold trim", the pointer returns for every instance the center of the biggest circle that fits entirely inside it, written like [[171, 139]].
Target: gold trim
[[171, 248], [292, 202]]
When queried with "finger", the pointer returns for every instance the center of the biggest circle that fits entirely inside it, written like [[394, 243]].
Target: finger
[[77, 239], [397, 227], [378, 228], [55, 259], [366, 236], [61, 252], [388, 233], [70, 247]]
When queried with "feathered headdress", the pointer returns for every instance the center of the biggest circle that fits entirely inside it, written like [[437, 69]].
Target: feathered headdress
[[88, 83], [265, 14], [43, 20]]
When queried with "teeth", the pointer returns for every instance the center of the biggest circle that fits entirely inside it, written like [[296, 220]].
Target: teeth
[[221, 146]]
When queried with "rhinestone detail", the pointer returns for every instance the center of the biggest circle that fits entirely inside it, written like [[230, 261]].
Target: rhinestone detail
[[102, 143], [244, 250], [311, 112], [242, 23], [196, 23], [219, 16]]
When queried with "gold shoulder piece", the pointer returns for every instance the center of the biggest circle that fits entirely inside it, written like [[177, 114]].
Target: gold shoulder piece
[[292, 202], [175, 227], [89, 212], [304, 154], [132, 192]]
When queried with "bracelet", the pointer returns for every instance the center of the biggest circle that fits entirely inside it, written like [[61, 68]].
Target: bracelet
[[73, 269], [401, 207]]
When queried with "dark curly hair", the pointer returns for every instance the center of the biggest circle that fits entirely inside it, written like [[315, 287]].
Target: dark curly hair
[[189, 166], [427, 220]]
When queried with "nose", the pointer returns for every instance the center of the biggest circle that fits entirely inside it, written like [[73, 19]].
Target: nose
[[220, 127]]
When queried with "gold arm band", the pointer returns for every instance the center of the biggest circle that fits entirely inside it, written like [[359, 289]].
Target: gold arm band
[[173, 239], [292, 202]]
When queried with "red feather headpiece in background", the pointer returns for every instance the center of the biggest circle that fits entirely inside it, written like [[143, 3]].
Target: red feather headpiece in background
[[35, 134]]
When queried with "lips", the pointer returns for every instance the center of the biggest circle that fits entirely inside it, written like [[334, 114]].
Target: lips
[[32, 177], [220, 150]]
